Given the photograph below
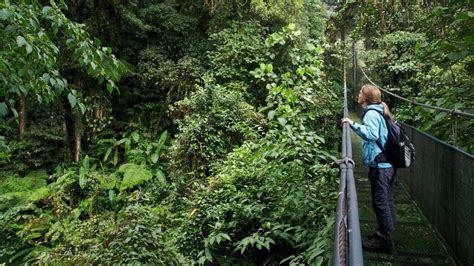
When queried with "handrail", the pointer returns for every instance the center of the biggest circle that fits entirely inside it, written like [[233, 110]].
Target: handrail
[[437, 108], [347, 248]]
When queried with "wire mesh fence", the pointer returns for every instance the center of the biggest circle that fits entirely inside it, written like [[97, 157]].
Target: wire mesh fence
[[442, 182]]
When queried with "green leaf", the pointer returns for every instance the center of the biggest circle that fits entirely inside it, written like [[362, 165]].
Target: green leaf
[[107, 153], [269, 68], [110, 87], [154, 158], [226, 236], [21, 253], [135, 136], [161, 176], [3, 109], [161, 142], [29, 49], [4, 14], [83, 171], [457, 55], [46, 78], [440, 116], [133, 175], [112, 195], [21, 41], [271, 114], [82, 107], [282, 120], [69, 42], [72, 99], [115, 158], [46, 10]]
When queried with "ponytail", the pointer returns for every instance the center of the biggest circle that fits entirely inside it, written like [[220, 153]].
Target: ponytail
[[386, 111]]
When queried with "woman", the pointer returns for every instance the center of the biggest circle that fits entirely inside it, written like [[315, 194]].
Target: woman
[[373, 130]]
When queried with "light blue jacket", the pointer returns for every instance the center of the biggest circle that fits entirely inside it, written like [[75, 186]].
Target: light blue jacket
[[372, 129]]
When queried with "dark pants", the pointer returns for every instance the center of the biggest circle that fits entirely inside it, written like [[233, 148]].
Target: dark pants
[[381, 183]]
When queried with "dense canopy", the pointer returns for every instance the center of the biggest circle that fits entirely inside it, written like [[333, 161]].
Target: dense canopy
[[202, 132]]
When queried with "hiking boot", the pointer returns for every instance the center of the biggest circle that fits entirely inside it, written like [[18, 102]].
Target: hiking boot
[[378, 242]]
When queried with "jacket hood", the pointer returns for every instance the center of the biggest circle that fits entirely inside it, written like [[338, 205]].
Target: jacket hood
[[377, 106]]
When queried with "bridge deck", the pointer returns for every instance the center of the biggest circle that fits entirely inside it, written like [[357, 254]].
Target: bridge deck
[[415, 241]]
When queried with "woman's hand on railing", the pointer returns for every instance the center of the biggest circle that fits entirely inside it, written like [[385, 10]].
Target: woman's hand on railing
[[347, 120]]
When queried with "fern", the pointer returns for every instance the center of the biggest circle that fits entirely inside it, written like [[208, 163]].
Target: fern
[[16, 191], [108, 182], [33, 180], [39, 193], [133, 175]]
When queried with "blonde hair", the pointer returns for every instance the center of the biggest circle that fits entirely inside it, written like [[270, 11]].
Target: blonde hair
[[370, 94]]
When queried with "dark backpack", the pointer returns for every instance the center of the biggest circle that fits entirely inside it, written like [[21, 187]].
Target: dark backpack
[[398, 150]]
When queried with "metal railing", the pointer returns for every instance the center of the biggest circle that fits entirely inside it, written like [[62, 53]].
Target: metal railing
[[347, 248]]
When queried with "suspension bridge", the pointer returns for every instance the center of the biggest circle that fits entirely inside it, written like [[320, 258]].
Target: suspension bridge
[[434, 198]]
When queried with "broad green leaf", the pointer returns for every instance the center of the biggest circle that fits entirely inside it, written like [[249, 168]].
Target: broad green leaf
[[271, 114], [4, 14], [135, 136], [269, 68], [3, 109], [21, 41], [154, 158], [46, 10], [282, 121], [33, 23], [72, 99], [29, 49], [440, 116], [46, 78]]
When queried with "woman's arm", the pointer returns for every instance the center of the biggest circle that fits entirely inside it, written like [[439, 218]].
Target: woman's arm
[[368, 130]]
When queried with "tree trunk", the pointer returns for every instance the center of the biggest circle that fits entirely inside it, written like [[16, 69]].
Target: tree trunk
[[66, 131], [77, 123], [77, 145], [22, 116]]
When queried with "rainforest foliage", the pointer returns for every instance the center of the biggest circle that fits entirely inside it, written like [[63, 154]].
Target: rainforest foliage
[[166, 132], [199, 132], [423, 52]]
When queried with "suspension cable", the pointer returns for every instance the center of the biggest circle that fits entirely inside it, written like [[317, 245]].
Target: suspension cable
[[455, 112]]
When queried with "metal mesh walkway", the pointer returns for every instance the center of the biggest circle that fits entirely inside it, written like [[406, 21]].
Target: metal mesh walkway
[[415, 242]]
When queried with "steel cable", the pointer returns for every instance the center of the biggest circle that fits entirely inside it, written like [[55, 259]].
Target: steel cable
[[451, 111]]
